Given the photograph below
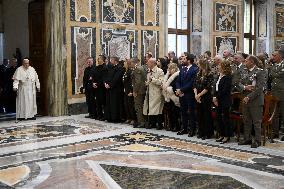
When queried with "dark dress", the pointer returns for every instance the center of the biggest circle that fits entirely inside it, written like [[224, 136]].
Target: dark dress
[[204, 118], [174, 111], [114, 95], [100, 73], [223, 96], [128, 100], [89, 90]]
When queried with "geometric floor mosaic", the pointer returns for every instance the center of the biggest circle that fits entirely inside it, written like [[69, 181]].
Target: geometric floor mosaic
[[75, 152]]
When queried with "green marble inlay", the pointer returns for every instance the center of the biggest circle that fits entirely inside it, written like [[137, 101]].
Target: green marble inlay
[[136, 178]]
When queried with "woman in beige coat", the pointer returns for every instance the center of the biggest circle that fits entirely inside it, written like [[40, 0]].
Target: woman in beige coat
[[154, 100]]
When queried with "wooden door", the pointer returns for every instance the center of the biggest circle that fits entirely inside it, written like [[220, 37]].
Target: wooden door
[[37, 50]]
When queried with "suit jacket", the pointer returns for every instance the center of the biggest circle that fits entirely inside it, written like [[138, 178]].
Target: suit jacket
[[256, 96], [237, 73], [277, 78], [223, 94], [186, 80]]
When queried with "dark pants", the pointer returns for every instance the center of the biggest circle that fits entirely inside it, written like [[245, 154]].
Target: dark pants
[[223, 120], [174, 116], [155, 119], [129, 107], [205, 121], [100, 102], [91, 102], [187, 103]]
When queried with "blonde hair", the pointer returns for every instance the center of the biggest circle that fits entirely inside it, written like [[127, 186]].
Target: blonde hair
[[226, 67], [173, 66]]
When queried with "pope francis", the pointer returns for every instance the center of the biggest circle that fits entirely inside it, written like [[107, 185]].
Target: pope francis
[[25, 83]]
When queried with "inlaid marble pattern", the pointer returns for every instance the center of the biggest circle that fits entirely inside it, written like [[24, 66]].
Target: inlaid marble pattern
[[149, 12], [197, 16], [83, 10], [225, 43], [123, 11], [48, 130], [83, 46], [226, 17], [120, 156], [118, 43], [150, 43]]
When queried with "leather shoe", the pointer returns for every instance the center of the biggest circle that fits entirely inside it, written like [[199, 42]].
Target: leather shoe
[[220, 139], [225, 140], [255, 144], [245, 142], [182, 132], [191, 134]]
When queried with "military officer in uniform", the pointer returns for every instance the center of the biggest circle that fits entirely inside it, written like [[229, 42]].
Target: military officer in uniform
[[277, 87], [252, 83], [139, 90], [237, 70]]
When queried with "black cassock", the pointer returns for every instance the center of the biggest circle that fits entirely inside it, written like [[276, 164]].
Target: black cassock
[[114, 95], [89, 90]]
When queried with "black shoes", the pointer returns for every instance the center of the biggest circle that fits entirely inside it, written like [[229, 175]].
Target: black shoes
[[220, 139], [245, 142], [225, 140], [255, 144], [182, 132], [191, 134]]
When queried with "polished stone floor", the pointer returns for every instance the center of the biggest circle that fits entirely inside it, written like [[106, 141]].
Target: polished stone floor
[[73, 152]]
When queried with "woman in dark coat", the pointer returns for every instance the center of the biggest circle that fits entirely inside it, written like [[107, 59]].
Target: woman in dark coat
[[202, 90], [222, 100]]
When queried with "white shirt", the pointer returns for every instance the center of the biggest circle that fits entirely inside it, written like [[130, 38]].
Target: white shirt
[[217, 84]]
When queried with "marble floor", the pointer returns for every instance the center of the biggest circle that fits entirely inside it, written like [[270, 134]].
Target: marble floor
[[73, 152]]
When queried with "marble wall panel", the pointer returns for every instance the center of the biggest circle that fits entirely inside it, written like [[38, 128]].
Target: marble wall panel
[[118, 11], [83, 46], [262, 20], [83, 10], [279, 44], [119, 43], [196, 44], [197, 16], [226, 17], [225, 43], [150, 43], [149, 11], [261, 45]]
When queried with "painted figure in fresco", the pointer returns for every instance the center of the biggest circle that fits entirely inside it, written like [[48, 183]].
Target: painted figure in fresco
[[26, 83]]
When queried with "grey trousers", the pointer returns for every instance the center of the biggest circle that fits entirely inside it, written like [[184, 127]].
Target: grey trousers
[[252, 116], [138, 104], [279, 111]]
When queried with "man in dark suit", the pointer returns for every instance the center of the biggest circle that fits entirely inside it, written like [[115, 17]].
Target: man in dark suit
[[114, 85], [185, 92], [98, 84], [88, 87]]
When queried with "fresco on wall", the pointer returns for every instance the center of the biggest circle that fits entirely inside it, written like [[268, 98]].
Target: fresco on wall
[[118, 11], [226, 17], [280, 23], [225, 43], [119, 43], [83, 46], [149, 12], [83, 10], [150, 43], [197, 16]]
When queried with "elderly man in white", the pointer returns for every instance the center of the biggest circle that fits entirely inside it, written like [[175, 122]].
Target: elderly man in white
[[25, 83]]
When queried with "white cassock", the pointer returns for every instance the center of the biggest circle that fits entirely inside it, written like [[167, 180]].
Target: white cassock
[[25, 82]]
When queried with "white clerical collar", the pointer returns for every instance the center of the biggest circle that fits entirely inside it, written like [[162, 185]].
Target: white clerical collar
[[240, 65], [251, 69]]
